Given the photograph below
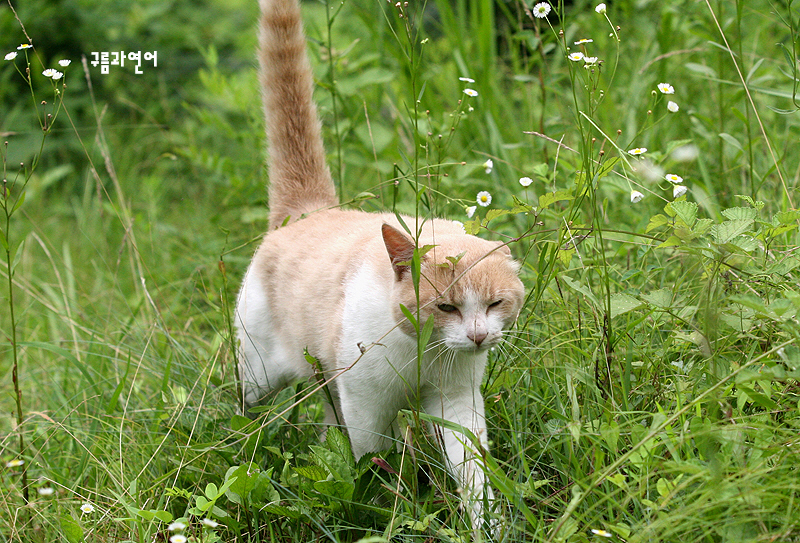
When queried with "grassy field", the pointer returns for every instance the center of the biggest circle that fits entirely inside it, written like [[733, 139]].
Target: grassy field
[[647, 179]]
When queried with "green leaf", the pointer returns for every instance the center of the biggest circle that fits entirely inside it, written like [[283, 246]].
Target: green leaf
[[244, 480], [473, 226], [409, 316], [685, 211], [313, 473], [736, 213], [494, 213], [338, 443], [549, 198], [726, 231], [622, 303], [661, 298], [427, 330], [163, 516], [339, 490], [71, 529], [730, 140], [656, 221], [574, 285]]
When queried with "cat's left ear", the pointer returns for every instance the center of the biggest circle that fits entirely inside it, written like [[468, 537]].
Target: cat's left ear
[[400, 248]]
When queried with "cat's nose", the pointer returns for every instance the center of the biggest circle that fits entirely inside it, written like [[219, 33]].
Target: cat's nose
[[477, 336]]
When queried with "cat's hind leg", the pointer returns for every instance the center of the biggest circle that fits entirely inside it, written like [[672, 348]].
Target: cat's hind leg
[[266, 365]]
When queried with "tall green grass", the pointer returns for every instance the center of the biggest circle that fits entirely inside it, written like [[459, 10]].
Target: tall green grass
[[648, 392]]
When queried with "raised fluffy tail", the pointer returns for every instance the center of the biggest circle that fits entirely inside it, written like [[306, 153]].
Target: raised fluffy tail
[[300, 180]]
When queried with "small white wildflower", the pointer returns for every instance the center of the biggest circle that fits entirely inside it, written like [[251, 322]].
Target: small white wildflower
[[58, 75], [470, 108], [637, 151], [50, 72], [590, 60], [87, 508], [679, 190], [488, 165], [209, 523], [541, 10], [584, 40], [602, 533], [666, 88], [17, 462], [24, 46], [471, 211], [471, 92], [46, 491], [601, 8], [484, 198], [575, 57], [673, 178], [178, 538], [64, 62], [525, 181], [11, 56], [466, 79], [636, 196], [176, 526], [672, 107]]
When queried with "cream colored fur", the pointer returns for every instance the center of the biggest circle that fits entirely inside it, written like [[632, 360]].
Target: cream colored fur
[[332, 281]]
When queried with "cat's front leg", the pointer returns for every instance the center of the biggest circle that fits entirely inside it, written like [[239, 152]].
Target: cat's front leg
[[464, 459]]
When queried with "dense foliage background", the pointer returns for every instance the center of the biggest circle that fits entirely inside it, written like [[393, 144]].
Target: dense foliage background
[[649, 390]]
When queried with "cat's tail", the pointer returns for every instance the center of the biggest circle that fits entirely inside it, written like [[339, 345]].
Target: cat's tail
[[300, 180]]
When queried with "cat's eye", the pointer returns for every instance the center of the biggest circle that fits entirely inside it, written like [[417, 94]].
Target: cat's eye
[[495, 304], [447, 308]]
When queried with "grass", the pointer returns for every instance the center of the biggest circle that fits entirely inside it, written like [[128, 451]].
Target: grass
[[649, 390]]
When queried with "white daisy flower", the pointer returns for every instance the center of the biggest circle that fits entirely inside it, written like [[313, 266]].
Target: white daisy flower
[[178, 538], [575, 57], [466, 79], [64, 62], [673, 178], [471, 92], [50, 72], [584, 40], [484, 198], [637, 151], [17, 462], [601, 8], [666, 88], [488, 165], [471, 211], [176, 526], [207, 522], [525, 181], [590, 60], [602, 533], [87, 508], [679, 190], [46, 491], [11, 56], [672, 107], [541, 10], [636, 196], [24, 46]]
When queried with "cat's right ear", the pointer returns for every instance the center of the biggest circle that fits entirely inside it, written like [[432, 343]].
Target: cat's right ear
[[400, 248]]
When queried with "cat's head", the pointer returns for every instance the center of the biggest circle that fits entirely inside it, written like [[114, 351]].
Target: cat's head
[[468, 284]]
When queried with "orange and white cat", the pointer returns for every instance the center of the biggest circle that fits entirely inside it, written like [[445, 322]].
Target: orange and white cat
[[331, 281]]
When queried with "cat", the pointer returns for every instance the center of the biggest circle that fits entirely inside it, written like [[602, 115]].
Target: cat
[[331, 282]]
